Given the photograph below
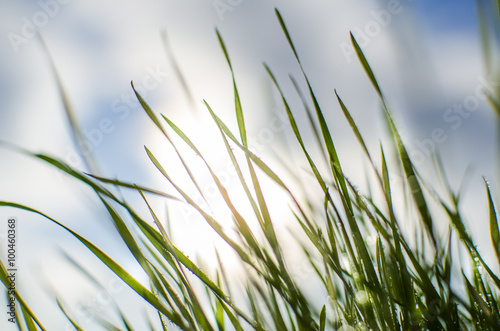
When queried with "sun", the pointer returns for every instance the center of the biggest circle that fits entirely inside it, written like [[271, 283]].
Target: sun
[[190, 230]]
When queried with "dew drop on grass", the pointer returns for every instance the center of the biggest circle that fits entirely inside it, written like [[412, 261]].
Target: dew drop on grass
[[361, 327], [362, 297]]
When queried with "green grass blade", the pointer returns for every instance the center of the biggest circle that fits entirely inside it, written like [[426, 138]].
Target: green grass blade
[[234, 321], [106, 324], [211, 221], [177, 70], [134, 248], [218, 310], [75, 325], [266, 219], [484, 309], [237, 102], [157, 240], [408, 167], [156, 121], [75, 129], [4, 278], [240, 221], [330, 147], [111, 264], [285, 30], [336, 169], [119, 183], [298, 136], [322, 319], [494, 229], [126, 323], [354, 127], [28, 319], [366, 66], [309, 113]]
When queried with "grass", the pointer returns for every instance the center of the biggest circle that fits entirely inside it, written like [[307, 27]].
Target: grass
[[399, 283]]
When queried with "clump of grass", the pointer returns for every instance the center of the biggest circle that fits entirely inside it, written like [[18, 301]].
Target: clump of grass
[[391, 285]]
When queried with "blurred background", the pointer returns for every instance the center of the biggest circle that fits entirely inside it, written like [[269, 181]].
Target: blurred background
[[426, 54]]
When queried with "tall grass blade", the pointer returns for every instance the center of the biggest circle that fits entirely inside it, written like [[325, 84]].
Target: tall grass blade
[[494, 228], [410, 172], [177, 70], [111, 264], [75, 130], [4, 278], [156, 121], [75, 325]]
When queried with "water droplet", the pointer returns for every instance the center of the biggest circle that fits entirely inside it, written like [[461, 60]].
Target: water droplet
[[362, 297]]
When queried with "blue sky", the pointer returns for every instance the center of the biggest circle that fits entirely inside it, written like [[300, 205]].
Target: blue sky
[[447, 14]]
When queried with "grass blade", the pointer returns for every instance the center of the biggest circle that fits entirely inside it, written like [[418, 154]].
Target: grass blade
[[494, 229]]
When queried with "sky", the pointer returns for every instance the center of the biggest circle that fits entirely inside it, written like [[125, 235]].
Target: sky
[[426, 55]]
